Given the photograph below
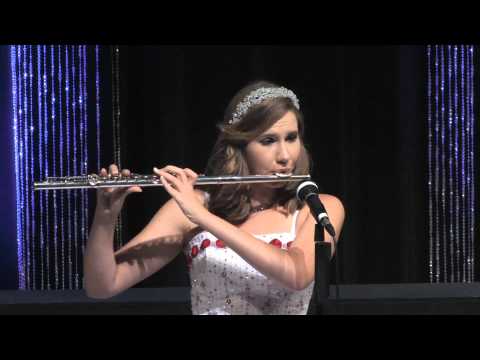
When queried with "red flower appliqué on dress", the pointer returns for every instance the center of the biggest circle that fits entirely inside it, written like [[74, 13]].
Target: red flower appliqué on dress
[[194, 251], [205, 244], [276, 242]]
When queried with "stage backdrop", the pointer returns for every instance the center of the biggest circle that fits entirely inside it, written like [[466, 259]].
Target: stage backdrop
[[366, 127]]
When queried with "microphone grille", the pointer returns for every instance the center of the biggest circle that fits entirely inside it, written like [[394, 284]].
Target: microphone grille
[[306, 188]]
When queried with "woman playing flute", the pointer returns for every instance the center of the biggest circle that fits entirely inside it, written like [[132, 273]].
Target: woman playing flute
[[249, 247]]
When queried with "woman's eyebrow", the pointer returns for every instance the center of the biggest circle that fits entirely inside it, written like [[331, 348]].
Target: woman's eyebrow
[[293, 132], [269, 135]]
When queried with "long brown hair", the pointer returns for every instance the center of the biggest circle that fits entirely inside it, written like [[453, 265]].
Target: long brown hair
[[232, 202]]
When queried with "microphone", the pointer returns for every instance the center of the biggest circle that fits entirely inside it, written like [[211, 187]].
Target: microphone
[[308, 192]]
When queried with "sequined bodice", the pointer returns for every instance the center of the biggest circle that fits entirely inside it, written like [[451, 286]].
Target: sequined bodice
[[222, 282]]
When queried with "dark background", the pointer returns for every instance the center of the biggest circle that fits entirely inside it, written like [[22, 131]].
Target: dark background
[[366, 129], [365, 111]]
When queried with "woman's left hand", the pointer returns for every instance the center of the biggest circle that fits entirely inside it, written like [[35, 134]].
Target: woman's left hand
[[179, 184]]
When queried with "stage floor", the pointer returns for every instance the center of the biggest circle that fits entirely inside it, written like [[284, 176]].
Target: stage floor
[[365, 299]]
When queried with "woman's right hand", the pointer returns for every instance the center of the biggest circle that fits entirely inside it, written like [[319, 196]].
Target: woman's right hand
[[110, 200]]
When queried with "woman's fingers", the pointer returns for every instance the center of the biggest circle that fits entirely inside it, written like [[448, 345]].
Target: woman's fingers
[[172, 168], [134, 189], [176, 171], [168, 187], [175, 177], [171, 179], [173, 174], [113, 170], [191, 174], [184, 174]]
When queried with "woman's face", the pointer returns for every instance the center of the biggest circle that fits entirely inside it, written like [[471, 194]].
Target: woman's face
[[277, 149]]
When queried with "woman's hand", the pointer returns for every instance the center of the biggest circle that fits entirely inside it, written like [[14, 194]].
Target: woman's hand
[[179, 184], [110, 200]]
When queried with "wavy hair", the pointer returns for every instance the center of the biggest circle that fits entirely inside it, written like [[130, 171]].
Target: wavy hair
[[232, 202]]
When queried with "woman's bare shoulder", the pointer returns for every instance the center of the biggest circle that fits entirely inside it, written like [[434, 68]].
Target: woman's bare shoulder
[[331, 203], [330, 200]]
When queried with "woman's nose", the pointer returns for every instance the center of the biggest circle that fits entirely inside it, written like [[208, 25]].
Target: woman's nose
[[283, 154]]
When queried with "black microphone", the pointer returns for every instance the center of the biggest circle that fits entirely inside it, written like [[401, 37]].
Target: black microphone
[[308, 191]]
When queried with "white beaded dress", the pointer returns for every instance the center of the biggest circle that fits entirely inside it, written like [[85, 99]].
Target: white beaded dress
[[223, 283]]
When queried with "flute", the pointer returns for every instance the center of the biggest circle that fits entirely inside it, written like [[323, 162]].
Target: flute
[[95, 181]]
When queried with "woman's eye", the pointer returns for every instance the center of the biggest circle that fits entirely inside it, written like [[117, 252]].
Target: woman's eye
[[292, 138], [266, 141]]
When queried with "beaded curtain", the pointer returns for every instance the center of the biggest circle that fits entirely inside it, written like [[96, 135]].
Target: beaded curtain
[[117, 159], [451, 192], [56, 124]]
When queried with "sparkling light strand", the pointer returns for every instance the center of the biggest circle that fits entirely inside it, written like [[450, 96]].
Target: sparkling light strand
[[468, 157], [443, 160], [85, 168], [31, 261], [81, 159], [430, 200], [437, 164], [22, 119], [116, 130], [75, 163], [54, 168], [466, 213], [450, 162], [455, 243], [82, 151], [20, 255], [460, 252], [454, 153], [472, 158], [20, 131], [97, 105], [69, 197], [61, 148], [46, 156], [41, 162]]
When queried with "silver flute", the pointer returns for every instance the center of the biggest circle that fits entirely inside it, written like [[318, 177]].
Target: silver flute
[[95, 181]]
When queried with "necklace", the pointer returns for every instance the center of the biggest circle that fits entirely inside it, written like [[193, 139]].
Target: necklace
[[258, 208]]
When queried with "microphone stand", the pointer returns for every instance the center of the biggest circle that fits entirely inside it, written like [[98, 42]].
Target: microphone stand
[[322, 271]]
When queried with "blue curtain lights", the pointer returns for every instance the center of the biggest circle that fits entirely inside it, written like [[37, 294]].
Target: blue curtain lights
[[115, 54], [54, 119], [451, 192]]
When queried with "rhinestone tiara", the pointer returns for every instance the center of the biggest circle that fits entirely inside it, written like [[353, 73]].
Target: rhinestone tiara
[[259, 95]]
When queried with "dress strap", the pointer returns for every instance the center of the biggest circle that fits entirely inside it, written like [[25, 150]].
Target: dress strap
[[294, 221]]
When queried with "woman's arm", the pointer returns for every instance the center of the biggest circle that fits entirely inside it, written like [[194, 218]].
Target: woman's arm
[[107, 273], [293, 268]]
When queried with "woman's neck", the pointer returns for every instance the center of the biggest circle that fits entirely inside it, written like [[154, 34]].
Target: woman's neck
[[262, 196]]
